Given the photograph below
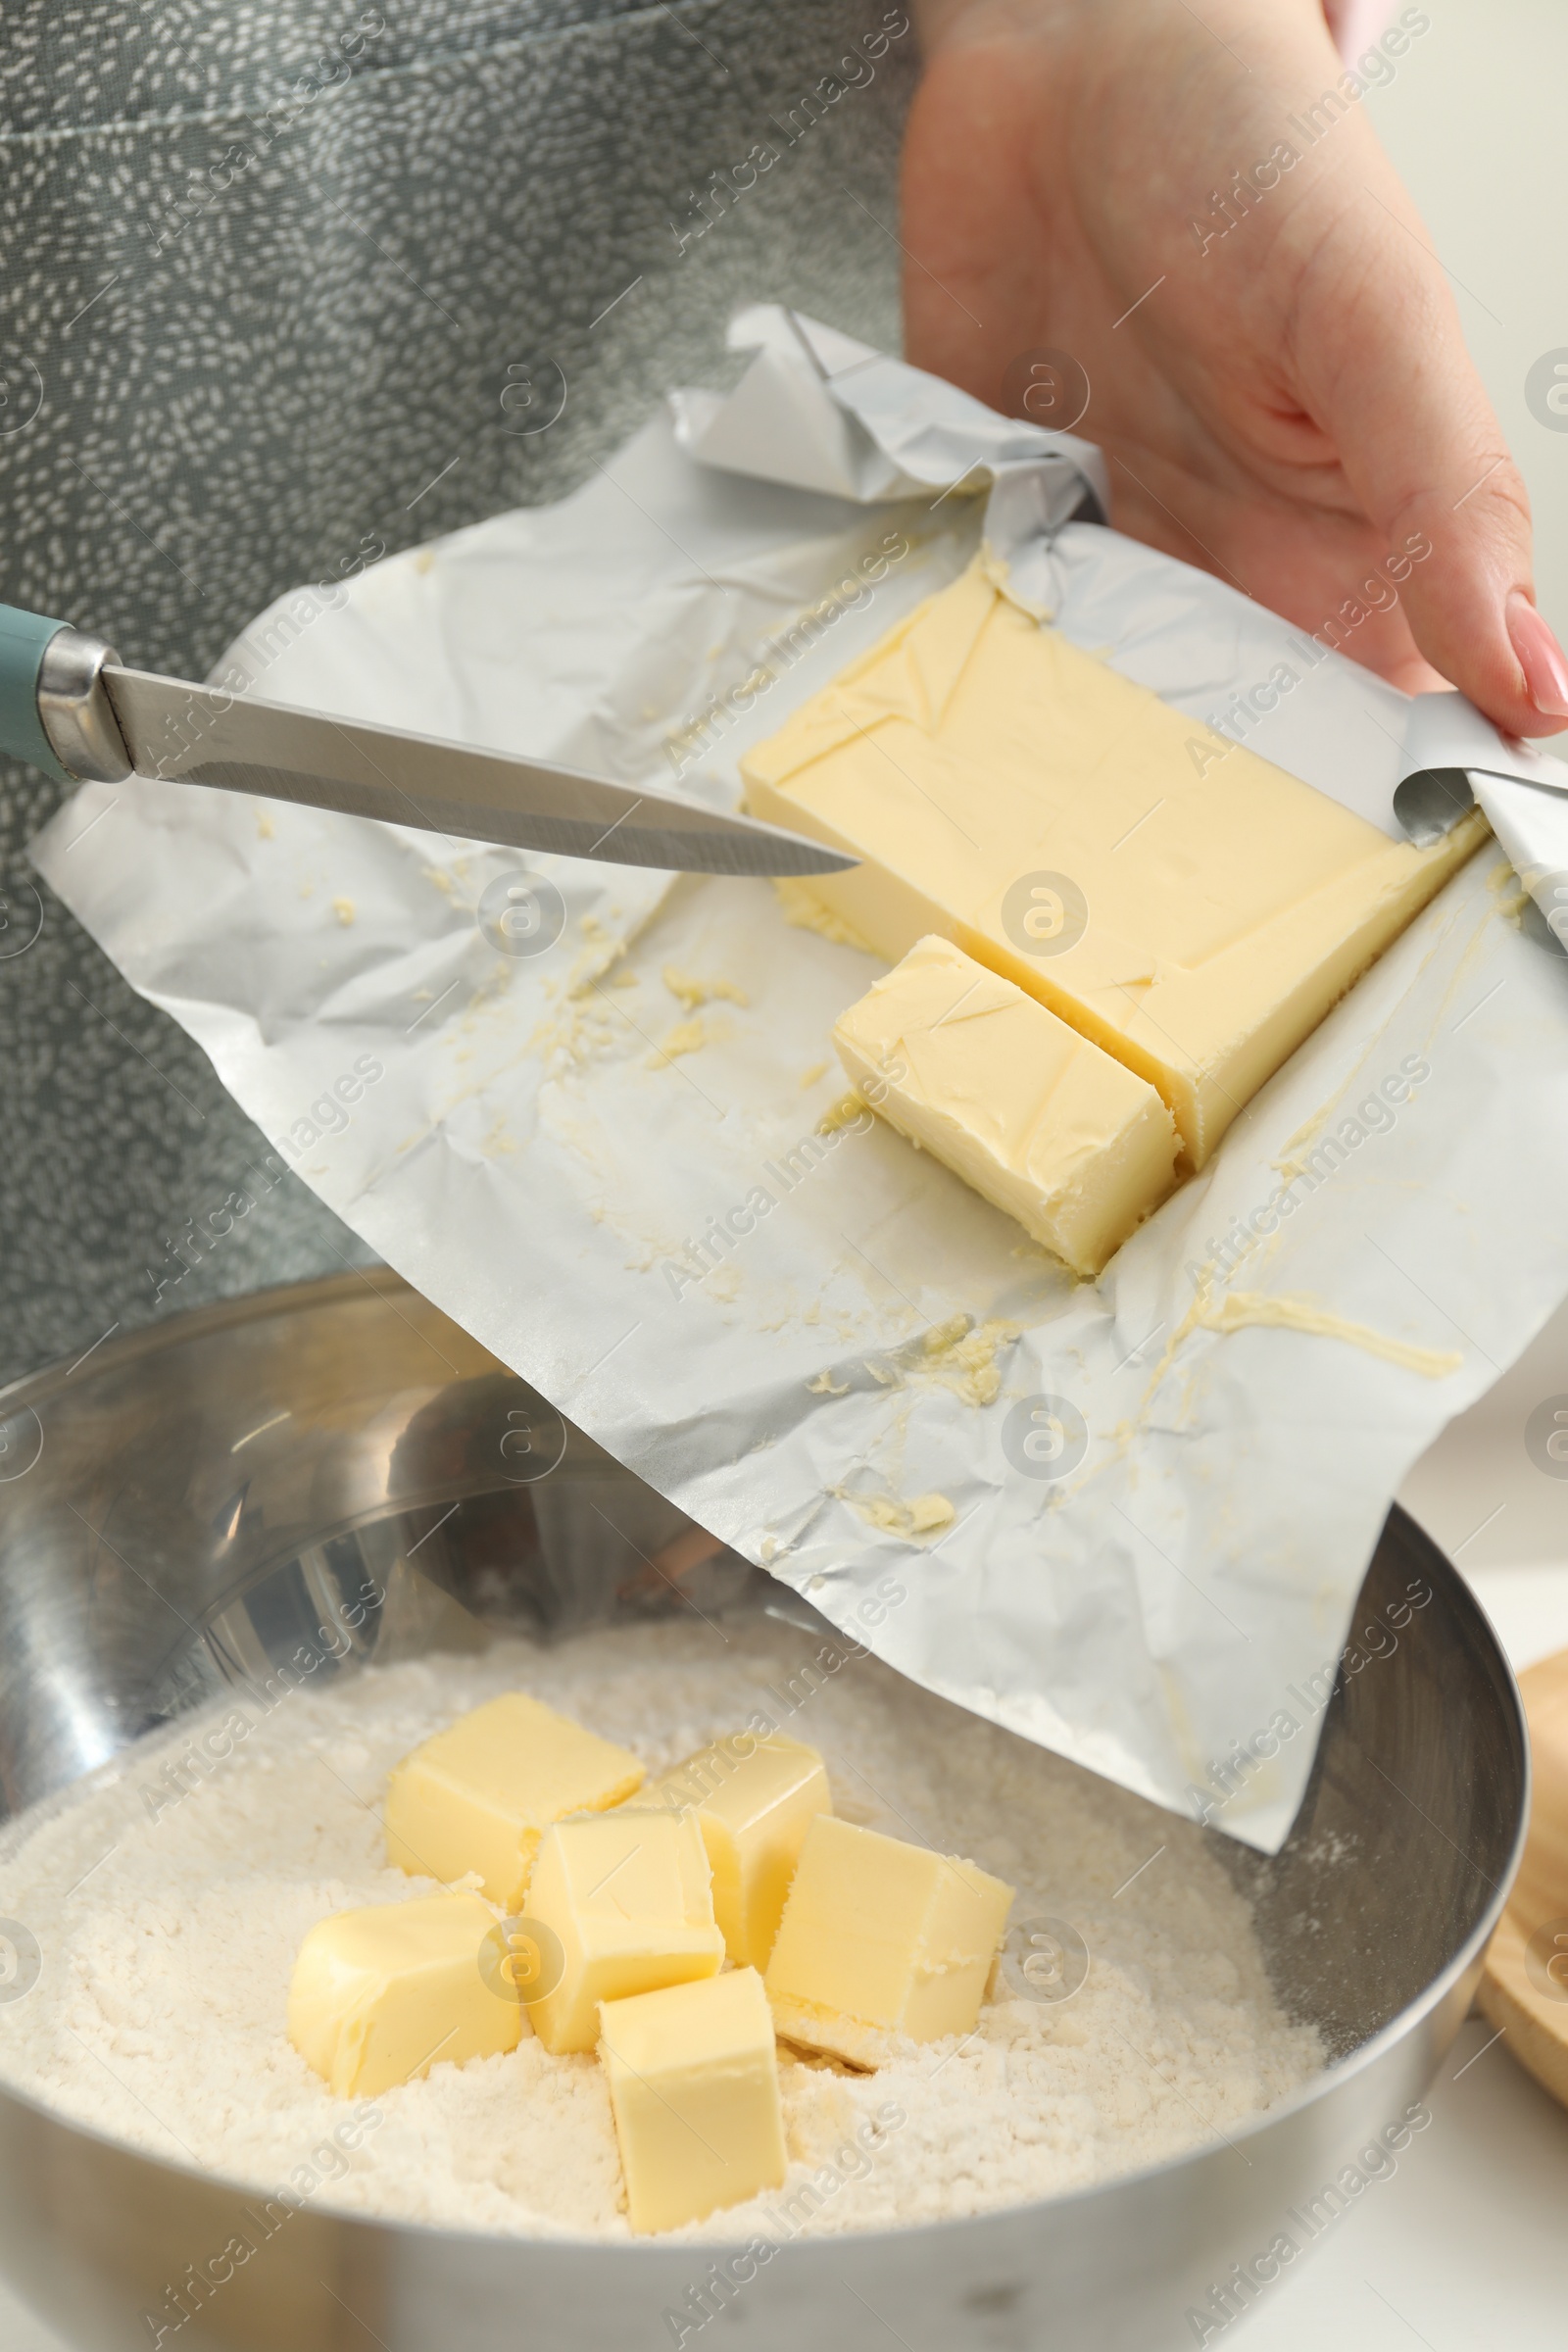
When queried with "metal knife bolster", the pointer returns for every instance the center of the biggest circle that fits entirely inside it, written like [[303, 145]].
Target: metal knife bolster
[[106, 722], [74, 709]]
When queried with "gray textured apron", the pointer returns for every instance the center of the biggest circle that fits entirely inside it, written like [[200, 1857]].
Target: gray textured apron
[[277, 283]]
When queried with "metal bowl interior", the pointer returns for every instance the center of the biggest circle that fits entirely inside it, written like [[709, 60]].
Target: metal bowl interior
[[192, 1508]]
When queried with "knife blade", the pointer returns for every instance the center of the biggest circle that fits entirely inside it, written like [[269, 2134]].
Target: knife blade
[[198, 735]]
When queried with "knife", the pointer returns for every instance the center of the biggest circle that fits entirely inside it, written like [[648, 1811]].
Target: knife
[[68, 706]]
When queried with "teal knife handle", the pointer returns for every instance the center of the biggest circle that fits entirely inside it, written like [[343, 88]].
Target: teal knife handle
[[23, 637]]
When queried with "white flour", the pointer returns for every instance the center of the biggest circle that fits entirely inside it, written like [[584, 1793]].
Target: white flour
[[168, 1942]]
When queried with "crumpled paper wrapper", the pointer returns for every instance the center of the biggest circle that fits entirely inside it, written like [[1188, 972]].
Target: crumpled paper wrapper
[[1128, 1519]]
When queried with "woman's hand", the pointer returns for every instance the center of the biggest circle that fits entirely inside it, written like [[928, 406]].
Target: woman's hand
[[1189, 202]]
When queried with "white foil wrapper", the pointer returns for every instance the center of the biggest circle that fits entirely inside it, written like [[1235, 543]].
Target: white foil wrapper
[[1128, 1519]]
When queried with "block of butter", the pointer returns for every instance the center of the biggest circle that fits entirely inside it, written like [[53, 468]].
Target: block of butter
[[480, 1795], [1187, 906], [881, 1939], [692, 2075], [626, 1895], [754, 1800], [379, 1996], [1039, 1121]]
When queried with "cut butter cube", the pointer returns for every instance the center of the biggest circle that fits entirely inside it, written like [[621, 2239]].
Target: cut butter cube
[[754, 1800], [379, 1996], [881, 1939], [480, 1795], [692, 2075], [1036, 1119], [1183, 903], [627, 1896]]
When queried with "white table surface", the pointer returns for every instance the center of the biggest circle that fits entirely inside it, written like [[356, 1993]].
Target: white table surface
[[1466, 2248]]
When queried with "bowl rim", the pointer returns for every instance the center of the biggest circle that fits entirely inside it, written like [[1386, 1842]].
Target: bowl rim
[[195, 1322], [285, 1297]]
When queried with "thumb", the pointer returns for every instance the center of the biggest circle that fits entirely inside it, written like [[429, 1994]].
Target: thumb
[[1390, 380]]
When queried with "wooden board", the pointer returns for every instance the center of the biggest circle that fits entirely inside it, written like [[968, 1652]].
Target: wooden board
[[1527, 1960]]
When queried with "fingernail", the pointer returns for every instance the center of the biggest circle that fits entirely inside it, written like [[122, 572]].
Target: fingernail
[[1540, 656]]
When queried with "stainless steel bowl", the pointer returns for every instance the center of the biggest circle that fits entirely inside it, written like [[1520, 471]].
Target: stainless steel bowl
[[187, 1507]]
